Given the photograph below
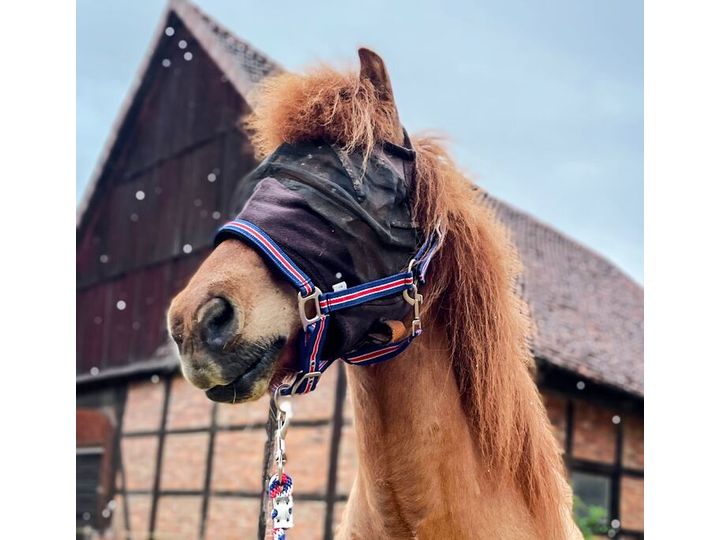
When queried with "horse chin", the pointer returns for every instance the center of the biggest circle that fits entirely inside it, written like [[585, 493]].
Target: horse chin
[[256, 376]]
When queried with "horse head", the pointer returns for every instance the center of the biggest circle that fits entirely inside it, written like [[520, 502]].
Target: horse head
[[237, 323]]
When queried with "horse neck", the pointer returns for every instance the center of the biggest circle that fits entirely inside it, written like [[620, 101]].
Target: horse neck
[[420, 473]]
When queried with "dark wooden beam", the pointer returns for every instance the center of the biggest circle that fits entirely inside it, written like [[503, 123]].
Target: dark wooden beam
[[337, 425], [159, 458]]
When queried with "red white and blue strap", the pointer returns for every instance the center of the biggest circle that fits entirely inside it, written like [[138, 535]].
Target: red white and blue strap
[[380, 288], [272, 251], [312, 364], [379, 353], [426, 253]]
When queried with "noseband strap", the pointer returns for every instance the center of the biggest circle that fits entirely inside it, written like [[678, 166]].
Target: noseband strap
[[312, 362]]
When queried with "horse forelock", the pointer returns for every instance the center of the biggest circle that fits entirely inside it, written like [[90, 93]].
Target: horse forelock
[[321, 104]]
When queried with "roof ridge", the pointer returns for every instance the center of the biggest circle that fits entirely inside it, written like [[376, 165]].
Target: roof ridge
[[495, 201], [243, 64]]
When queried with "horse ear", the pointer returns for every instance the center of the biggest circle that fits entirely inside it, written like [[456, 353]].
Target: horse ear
[[373, 68]]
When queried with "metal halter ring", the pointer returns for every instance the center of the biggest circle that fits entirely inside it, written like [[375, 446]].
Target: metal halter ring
[[415, 300], [282, 417], [302, 300]]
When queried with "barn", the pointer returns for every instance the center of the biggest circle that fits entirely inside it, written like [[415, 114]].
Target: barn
[[155, 458]]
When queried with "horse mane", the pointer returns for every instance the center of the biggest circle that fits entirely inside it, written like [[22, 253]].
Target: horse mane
[[471, 287], [320, 104]]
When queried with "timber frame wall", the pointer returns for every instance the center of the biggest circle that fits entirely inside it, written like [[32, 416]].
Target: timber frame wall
[[332, 497]]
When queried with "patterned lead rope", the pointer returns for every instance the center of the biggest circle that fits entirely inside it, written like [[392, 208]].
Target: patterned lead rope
[[280, 493]]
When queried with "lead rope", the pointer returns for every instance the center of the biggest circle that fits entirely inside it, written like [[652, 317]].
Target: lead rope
[[280, 485]]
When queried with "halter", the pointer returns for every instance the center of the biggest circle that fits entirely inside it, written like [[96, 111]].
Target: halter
[[324, 304]]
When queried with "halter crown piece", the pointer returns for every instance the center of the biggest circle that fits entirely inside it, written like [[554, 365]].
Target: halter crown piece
[[339, 228]]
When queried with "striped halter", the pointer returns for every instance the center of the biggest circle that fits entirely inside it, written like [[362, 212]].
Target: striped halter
[[324, 304]]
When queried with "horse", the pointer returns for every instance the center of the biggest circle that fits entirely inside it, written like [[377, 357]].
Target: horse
[[453, 438]]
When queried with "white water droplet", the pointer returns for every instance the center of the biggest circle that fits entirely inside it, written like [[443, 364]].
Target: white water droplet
[[187, 248], [182, 44], [98, 319], [121, 305], [580, 385], [197, 203], [338, 275], [104, 258], [169, 31], [166, 62], [134, 217], [187, 56], [94, 371], [616, 419], [615, 523], [212, 177], [216, 215], [139, 194], [154, 379]]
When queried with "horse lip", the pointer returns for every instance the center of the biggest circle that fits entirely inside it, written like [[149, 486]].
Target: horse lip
[[241, 387]]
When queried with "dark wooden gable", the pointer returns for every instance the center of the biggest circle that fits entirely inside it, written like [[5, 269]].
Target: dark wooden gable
[[165, 188]]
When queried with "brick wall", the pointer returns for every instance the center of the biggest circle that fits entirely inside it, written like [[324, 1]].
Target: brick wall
[[632, 506], [235, 437], [594, 433]]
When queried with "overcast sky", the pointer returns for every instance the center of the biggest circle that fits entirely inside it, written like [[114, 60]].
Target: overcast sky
[[542, 101]]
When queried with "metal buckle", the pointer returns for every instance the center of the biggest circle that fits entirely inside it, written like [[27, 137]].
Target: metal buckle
[[302, 300], [303, 378], [416, 327], [415, 300]]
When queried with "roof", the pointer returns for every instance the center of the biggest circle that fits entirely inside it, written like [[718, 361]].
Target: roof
[[242, 64], [588, 313]]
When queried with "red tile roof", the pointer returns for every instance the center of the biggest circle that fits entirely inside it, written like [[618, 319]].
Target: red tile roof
[[588, 313]]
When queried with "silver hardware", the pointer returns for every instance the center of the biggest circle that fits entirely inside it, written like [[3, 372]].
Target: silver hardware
[[303, 378], [302, 300], [415, 301], [283, 413]]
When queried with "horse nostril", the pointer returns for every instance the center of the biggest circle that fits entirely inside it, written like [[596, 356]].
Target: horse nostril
[[217, 322]]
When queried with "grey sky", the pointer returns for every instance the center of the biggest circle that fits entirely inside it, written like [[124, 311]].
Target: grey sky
[[542, 102]]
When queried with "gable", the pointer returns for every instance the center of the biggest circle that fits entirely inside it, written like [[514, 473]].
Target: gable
[[162, 193]]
